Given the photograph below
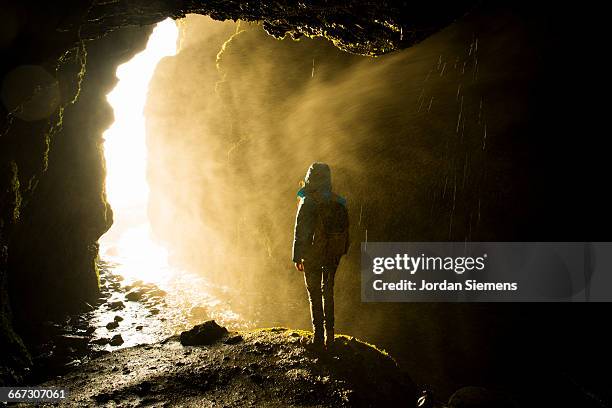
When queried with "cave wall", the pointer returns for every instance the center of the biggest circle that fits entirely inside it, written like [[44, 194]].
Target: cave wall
[[55, 208], [68, 211]]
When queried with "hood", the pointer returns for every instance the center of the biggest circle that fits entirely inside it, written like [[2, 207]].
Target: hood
[[318, 178]]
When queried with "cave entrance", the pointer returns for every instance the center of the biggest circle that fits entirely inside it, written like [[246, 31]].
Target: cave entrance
[[153, 299], [129, 243]]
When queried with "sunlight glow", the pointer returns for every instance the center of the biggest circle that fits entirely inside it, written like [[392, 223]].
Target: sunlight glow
[[129, 242]]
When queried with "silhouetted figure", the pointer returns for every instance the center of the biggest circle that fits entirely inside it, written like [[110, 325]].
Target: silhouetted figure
[[320, 240]]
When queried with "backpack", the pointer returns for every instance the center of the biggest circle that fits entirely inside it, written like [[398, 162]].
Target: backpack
[[331, 233]]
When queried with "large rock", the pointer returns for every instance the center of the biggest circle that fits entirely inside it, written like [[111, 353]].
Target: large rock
[[203, 334], [116, 340]]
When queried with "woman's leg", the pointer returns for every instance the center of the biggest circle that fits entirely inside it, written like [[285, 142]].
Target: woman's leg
[[329, 273], [313, 276]]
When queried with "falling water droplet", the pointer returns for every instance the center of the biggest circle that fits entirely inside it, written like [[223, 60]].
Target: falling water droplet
[[484, 137]]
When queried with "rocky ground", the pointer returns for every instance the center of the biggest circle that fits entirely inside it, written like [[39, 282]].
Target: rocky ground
[[115, 356], [264, 368]]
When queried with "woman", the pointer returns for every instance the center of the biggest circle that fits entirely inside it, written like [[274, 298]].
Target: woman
[[320, 240]]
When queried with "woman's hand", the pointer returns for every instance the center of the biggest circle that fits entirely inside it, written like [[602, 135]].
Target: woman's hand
[[299, 266]]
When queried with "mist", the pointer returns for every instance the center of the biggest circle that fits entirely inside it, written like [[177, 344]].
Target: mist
[[421, 142]]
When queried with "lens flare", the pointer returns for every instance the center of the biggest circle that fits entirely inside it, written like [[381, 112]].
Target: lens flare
[[129, 240]]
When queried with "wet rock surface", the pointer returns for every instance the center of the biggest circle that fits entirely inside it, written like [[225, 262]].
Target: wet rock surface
[[266, 368], [115, 323]]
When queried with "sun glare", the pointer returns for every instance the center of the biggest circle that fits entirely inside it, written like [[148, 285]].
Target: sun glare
[[129, 239]]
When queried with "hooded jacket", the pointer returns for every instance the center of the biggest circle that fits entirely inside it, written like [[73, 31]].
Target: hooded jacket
[[317, 187]]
